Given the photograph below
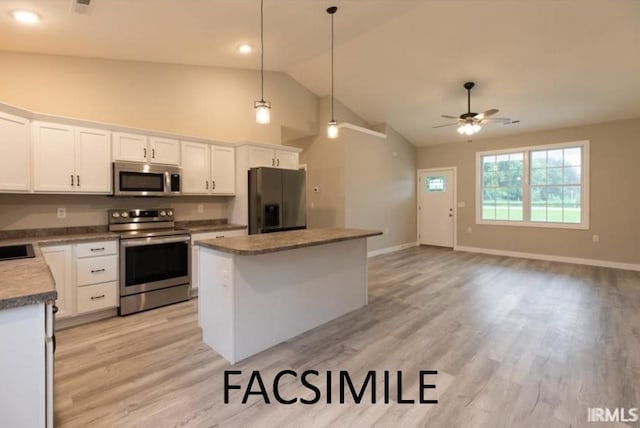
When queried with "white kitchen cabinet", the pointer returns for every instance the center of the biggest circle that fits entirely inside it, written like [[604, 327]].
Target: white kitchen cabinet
[[130, 147], [70, 159], [286, 159], [223, 170], [54, 157], [207, 169], [60, 262], [140, 148], [93, 161], [164, 151], [195, 249], [26, 366], [195, 168], [86, 276], [15, 160]]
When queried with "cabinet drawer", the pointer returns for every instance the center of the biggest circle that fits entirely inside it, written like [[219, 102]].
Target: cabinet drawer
[[220, 234], [92, 249], [96, 270], [95, 297]]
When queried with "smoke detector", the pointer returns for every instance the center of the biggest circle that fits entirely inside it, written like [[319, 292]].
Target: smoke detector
[[82, 7]]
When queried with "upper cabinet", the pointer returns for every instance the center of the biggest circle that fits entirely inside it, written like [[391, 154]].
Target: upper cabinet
[[262, 156], [71, 159], [140, 148], [15, 170], [207, 169]]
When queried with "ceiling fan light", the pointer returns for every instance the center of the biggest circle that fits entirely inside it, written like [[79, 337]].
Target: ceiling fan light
[[469, 129], [332, 129], [263, 112]]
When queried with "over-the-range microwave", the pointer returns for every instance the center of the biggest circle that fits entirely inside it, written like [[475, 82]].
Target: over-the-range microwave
[[140, 179]]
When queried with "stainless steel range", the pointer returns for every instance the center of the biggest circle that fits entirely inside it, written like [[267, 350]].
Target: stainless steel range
[[155, 259]]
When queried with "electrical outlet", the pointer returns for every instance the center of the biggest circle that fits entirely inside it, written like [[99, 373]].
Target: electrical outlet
[[200, 208], [469, 230], [461, 204], [62, 213], [596, 238], [386, 230]]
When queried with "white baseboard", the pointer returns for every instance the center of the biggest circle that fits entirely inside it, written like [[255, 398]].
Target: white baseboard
[[63, 323], [551, 258], [391, 249]]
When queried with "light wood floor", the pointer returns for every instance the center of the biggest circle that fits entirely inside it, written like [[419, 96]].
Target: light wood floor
[[517, 343]]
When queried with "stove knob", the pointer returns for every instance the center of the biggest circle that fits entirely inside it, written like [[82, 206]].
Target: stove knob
[[124, 214], [162, 213], [115, 214], [170, 213]]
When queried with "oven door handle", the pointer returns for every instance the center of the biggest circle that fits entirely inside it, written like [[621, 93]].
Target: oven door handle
[[152, 241]]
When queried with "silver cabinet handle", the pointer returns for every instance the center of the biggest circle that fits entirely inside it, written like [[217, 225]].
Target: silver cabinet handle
[[273, 162], [97, 270], [213, 184], [78, 180], [278, 162], [219, 236], [97, 297], [207, 185], [72, 179], [145, 152], [153, 153], [98, 249]]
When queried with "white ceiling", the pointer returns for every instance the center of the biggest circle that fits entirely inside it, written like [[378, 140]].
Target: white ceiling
[[548, 63]]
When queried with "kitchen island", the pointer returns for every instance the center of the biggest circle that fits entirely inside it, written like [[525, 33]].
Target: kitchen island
[[259, 290]]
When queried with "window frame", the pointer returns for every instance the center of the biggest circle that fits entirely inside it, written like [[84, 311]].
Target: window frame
[[526, 194]]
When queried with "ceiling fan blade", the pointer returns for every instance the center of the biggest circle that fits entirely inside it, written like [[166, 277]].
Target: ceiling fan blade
[[486, 114], [496, 119], [446, 124], [448, 116]]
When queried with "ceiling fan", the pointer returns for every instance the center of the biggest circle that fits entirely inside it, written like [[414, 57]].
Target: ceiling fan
[[470, 123]]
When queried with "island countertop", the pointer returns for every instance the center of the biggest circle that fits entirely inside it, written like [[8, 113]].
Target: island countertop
[[281, 241]]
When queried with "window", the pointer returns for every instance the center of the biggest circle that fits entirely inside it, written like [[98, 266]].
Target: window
[[534, 186], [437, 184]]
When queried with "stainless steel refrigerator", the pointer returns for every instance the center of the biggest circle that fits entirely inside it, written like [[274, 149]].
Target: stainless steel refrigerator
[[277, 200]]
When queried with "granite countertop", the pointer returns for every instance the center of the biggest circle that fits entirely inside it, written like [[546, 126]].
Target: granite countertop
[[213, 228], [282, 241], [29, 281], [25, 282]]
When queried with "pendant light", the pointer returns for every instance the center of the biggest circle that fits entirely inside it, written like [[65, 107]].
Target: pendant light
[[262, 107], [332, 126]]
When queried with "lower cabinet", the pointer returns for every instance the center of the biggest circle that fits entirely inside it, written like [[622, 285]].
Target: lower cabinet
[[86, 276], [195, 254]]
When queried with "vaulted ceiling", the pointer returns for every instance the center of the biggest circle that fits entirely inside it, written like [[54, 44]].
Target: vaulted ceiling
[[547, 63]]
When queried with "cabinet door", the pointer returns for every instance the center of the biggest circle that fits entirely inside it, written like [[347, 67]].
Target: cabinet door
[[164, 150], [54, 157], [223, 170], [195, 168], [14, 153], [286, 159], [59, 260], [130, 147], [93, 161], [260, 156]]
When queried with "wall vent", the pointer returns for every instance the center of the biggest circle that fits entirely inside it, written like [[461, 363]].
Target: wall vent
[[82, 7]]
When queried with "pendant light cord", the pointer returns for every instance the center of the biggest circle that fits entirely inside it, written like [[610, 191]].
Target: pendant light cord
[[332, 43], [262, 50]]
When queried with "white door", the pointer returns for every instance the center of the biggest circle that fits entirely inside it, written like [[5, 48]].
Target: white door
[[164, 150], [93, 161], [54, 157], [14, 153], [436, 191], [286, 160], [223, 170], [130, 147], [195, 168], [260, 156]]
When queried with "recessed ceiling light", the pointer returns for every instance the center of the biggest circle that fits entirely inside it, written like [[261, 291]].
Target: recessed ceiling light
[[245, 48], [26, 17]]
